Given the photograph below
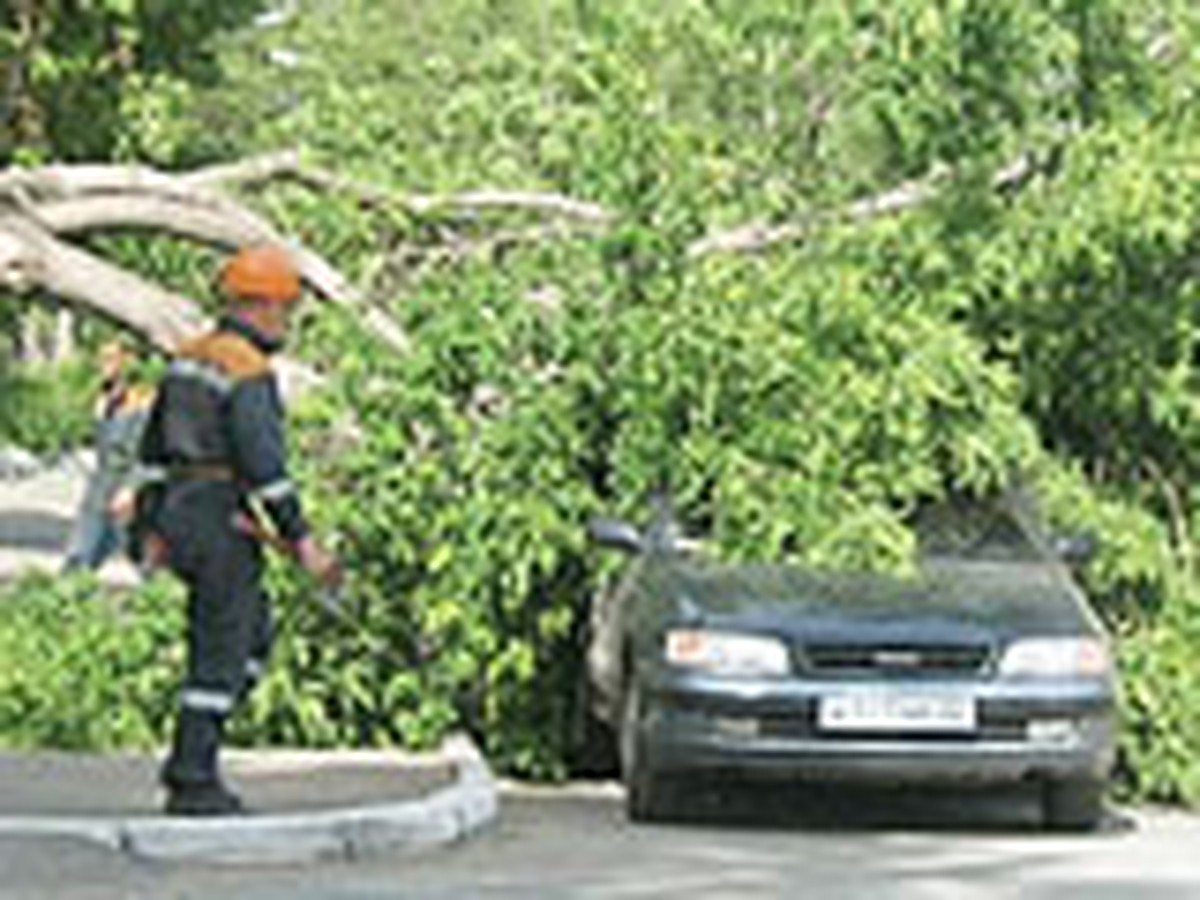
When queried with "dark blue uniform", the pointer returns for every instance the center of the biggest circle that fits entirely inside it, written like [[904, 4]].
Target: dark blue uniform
[[216, 432]]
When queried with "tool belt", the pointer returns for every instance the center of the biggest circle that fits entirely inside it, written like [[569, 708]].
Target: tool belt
[[146, 544], [201, 472]]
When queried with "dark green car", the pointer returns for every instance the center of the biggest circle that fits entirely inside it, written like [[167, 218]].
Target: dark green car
[[987, 665]]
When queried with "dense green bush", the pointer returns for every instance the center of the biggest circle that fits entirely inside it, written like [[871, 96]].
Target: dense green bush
[[1161, 724], [82, 669], [47, 409], [799, 426], [94, 78]]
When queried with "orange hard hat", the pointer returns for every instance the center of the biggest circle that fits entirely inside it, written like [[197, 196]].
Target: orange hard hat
[[261, 272]]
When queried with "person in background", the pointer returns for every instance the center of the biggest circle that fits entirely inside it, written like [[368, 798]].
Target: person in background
[[121, 412]]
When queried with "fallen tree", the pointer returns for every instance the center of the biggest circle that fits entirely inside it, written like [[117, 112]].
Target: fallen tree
[[42, 209]]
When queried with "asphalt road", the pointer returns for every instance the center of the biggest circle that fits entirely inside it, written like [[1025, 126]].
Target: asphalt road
[[574, 843]]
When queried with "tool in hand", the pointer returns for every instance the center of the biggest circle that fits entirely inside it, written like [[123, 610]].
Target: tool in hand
[[330, 591]]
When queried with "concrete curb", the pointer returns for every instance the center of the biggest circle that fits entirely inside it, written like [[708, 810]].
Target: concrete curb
[[445, 816]]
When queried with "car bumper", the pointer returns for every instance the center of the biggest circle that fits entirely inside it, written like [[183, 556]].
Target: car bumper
[[1033, 730]]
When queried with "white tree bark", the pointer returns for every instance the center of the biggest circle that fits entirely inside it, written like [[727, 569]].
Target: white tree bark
[[34, 258], [48, 204], [41, 208], [289, 165], [63, 347], [760, 236]]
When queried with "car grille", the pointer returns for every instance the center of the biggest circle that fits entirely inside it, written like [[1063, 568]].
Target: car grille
[[891, 660]]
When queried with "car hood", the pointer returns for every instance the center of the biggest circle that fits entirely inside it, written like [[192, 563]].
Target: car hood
[[946, 598]]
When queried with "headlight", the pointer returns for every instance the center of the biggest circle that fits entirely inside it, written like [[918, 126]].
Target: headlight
[[726, 652], [1056, 658]]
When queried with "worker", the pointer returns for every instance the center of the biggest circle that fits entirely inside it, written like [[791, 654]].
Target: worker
[[216, 433]]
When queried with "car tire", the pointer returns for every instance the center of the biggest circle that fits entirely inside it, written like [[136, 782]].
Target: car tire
[[1072, 805], [650, 796]]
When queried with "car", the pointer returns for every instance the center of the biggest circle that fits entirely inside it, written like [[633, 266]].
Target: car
[[985, 665]]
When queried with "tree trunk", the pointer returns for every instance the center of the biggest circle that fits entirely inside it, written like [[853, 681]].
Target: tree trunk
[[63, 346], [29, 345]]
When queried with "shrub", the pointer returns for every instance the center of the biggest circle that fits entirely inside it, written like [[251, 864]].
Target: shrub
[[47, 409], [84, 669]]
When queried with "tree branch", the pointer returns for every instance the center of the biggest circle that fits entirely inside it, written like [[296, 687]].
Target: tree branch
[[156, 213], [245, 173], [56, 182], [526, 201], [760, 236], [31, 257], [1177, 514], [192, 213], [288, 165], [65, 200]]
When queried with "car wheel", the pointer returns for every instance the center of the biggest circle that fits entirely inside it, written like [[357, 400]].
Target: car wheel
[[1072, 805], [649, 796]]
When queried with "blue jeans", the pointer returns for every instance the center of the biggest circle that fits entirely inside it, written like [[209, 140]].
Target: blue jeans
[[96, 536]]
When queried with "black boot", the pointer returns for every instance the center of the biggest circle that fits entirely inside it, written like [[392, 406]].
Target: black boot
[[190, 774], [211, 799]]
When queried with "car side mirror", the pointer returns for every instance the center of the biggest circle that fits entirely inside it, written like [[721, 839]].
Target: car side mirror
[[1075, 549], [615, 535]]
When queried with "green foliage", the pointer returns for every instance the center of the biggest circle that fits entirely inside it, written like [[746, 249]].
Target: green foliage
[[175, 264], [787, 412], [47, 409], [82, 670], [1161, 723], [85, 79], [1090, 291]]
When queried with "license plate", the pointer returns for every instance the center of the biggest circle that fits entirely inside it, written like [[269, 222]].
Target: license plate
[[899, 710]]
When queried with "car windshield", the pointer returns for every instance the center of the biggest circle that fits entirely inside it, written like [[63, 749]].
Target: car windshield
[[978, 530], [960, 528]]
